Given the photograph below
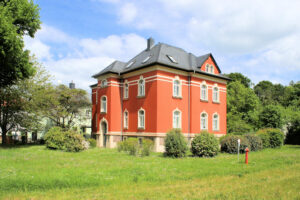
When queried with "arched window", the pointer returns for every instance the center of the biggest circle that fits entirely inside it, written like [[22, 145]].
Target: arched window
[[103, 104], [204, 92], [215, 122], [141, 87], [176, 119], [207, 67], [126, 117], [203, 121], [216, 94], [211, 69], [176, 87], [126, 91], [141, 119], [104, 83]]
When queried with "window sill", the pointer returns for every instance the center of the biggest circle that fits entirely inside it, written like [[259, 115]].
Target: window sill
[[139, 97], [125, 128], [104, 86], [103, 112], [141, 128], [125, 98], [216, 130], [204, 100], [216, 102], [177, 97]]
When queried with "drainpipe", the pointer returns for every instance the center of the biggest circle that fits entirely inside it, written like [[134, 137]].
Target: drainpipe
[[121, 99], [189, 109]]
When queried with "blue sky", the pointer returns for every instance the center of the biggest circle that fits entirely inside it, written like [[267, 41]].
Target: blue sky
[[260, 39]]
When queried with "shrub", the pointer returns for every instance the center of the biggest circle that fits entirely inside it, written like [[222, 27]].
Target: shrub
[[254, 141], [293, 134], [229, 144], [54, 138], [70, 141], [205, 145], [175, 144], [271, 137], [92, 142], [132, 146], [147, 146]]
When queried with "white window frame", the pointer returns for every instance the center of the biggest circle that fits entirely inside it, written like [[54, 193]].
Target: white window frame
[[126, 119], [126, 90], [206, 91], [139, 121], [174, 120], [207, 68], [103, 108], [218, 122], [211, 69], [104, 83], [141, 92], [206, 121], [176, 79], [216, 93]]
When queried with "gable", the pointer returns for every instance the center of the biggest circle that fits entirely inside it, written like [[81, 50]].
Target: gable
[[210, 62]]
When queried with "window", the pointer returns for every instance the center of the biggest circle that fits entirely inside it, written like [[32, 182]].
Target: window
[[203, 121], [141, 87], [204, 92], [211, 69], [141, 119], [103, 104], [129, 64], [147, 58], [126, 119], [176, 119], [176, 87], [207, 67], [171, 59], [104, 83], [216, 94], [215, 122], [126, 90]]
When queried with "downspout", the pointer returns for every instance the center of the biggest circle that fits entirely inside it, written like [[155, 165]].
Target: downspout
[[189, 109], [121, 99]]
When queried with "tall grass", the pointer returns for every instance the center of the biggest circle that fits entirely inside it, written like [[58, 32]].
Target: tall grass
[[35, 172]]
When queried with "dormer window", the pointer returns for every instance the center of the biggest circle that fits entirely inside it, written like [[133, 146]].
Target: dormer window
[[207, 68], [129, 64], [147, 58], [104, 83], [211, 69], [172, 59]]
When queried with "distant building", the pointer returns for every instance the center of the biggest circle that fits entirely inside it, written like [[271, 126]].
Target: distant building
[[161, 88]]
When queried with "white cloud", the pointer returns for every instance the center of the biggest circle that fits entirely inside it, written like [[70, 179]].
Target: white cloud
[[83, 57], [128, 13]]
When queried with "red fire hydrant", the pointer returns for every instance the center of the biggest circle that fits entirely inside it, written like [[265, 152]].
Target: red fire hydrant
[[247, 151]]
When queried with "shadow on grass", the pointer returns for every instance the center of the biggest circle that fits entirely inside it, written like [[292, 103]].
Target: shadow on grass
[[14, 146]]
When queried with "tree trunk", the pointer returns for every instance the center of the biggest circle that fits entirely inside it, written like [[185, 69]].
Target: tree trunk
[[4, 131]]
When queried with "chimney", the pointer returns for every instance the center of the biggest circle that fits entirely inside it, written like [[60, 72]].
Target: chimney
[[72, 85], [150, 43]]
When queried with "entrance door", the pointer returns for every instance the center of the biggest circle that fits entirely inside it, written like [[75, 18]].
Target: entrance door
[[104, 131]]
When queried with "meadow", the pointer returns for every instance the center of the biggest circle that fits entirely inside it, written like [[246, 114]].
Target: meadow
[[34, 172]]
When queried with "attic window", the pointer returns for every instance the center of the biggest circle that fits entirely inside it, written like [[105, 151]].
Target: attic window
[[172, 59], [129, 64], [147, 58]]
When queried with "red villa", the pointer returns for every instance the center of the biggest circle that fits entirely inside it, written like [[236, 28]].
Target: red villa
[[161, 88]]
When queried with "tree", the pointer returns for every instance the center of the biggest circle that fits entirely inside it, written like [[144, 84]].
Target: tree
[[17, 19], [65, 105], [21, 104], [271, 117], [242, 108], [240, 78], [265, 90]]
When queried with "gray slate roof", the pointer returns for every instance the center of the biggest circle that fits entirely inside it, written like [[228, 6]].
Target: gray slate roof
[[159, 55]]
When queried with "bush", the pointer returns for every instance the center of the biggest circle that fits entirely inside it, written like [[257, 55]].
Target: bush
[[254, 141], [132, 146], [175, 144], [229, 144], [205, 145], [147, 146], [70, 141], [293, 134], [271, 137], [92, 142]]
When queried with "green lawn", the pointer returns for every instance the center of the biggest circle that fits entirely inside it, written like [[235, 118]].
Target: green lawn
[[33, 172]]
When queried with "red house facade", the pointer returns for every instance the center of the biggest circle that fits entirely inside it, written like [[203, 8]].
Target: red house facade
[[161, 88]]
